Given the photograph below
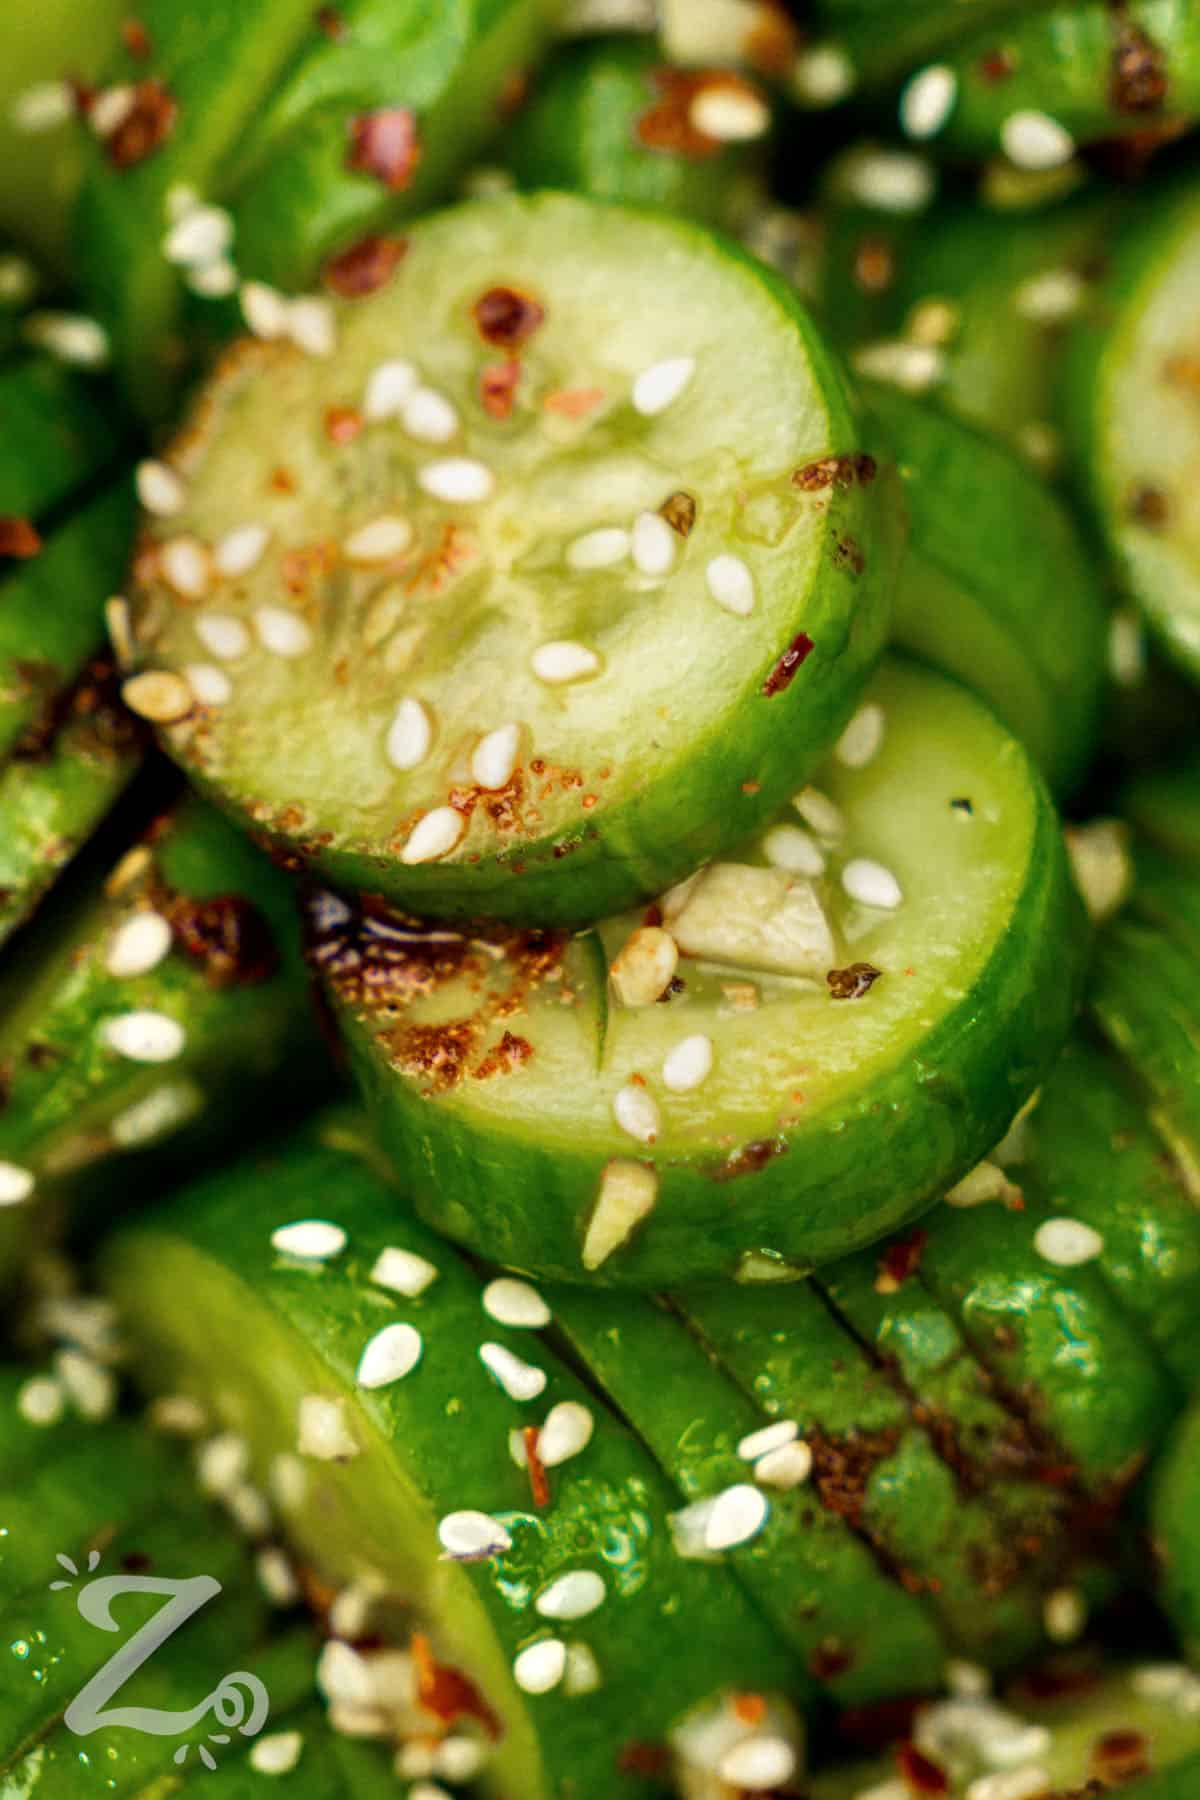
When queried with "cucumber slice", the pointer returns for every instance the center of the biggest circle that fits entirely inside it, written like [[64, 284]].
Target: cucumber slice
[[517, 733], [1132, 405], [1164, 805], [1173, 1514], [836, 1104], [59, 428], [429, 1444], [881, 44], [997, 587]]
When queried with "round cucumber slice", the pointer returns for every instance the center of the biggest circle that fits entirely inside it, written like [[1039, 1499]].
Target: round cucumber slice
[[545, 665], [1173, 1515], [881, 44], [819, 1067], [1132, 403]]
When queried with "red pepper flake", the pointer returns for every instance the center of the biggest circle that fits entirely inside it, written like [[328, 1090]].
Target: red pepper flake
[[539, 1482], [899, 1261], [384, 144], [1118, 1757], [996, 66], [771, 44], [919, 1774], [667, 124], [507, 318], [874, 265], [136, 39], [365, 267], [282, 481], [146, 126], [852, 982], [573, 403], [784, 672], [448, 1694], [329, 20], [651, 1761], [18, 538], [835, 472], [498, 388], [342, 424], [749, 1709], [1138, 81]]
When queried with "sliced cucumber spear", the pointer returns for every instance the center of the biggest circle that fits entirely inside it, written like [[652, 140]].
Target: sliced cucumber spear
[[817, 1071], [394, 1415], [531, 665]]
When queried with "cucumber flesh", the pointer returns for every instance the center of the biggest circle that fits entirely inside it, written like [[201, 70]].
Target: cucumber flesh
[[420, 646], [822, 1123]]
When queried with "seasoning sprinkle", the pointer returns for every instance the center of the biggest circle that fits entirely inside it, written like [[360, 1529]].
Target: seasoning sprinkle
[[138, 945], [515, 1303], [459, 480], [927, 101], [403, 1272], [186, 566], [628, 1192], [71, 337], [567, 1430], [644, 966], [310, 325], [472, 1536], [540, 1667], [1033, 140], [1067, 1243], [758, 1763], [159, 488], [144, 1036], [390, 1355], [41, 1400], [265, 310], [787, 1467], [276, 1754], [767, 1438], [428, 416], [311, 1239], [389, 386], [520, 1380], [202, 235], [322, 1431], [738, 1514], [572, 1596]]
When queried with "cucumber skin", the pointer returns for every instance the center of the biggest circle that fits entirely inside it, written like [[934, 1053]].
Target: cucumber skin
[[1164, 806], [1174, 1501]]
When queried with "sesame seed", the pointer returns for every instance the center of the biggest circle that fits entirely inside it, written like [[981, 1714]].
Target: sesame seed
[[871, 884], [110, 108], [389, 385], [409, 736], [731, 584], [118, 620], [688, 1527], [1064, 1615], [177, 1413], [144, 1036], [820, 814], [582, 1674], [138, 945], [561, 661], [202, 235], [1033, 140], [628, 1192], [1052, 297], [1101, 865], [572, 1596], [540, 1667], [730, 112], [520, 1380], [43, 106], [738, 1514], [636, 1112], [91, 1388], [688, 1064], [758, 1763], [653, 544], [913, 367], [428, 416], [568, 1430], [1161, 1681], [434, 836], [790, 847], [390, 1355], [863, 737], [311, 1239], [288, 1480], [343, 1674], [159, 488], [214, 280], [186, 566], [467, 1536], [495, 757], [788, 1467], [310, 326], [322, 1431], [180, 198], [1067, 1242], [282, 632], [458, 480], [601, 549], [822, 76], [661, 384], [516, 1303], [210, 686], [403, 1272], [40, 1400], [767, 1438], [222, 634], [460, 1758], [983, 1183], [644, 967], [428, 1790], [277, 1754], [240, 549], [249, 1509], [222, 1462], [164, 1109], [1126, 649], [1011, 1784], [927, 101], [380, 540], [71, 337], [264, 309], [896, 181]]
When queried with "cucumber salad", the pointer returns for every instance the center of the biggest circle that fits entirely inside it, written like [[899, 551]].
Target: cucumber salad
[[600, 900]]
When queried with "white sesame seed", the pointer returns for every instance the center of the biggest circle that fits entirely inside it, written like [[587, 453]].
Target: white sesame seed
[[310, 326], [688, 1064], [186, 566], [43, 106], [458, 480], [240, 550], [1161, 1681], [540, 1667], [913, 367], [1011, 1784], [661, 384], [758, 1763], [144, 1036], [214, 280], [428, 1790], [688, 1527], [180, 198], [379, 540], [822, 76], [222, 634], [731, 584], [568, 1430], [600, 549], [820, 814], [653, 544], [982, 1183], [91, 1388], [264, 309], [137, 945], [210, 686], [520, 1380], [428, 416], [249, 1509], [434, 835], [460, 1758], [389, 385], [1064, 1615], [118, 619], [582, 1674], [1033, 140], [110, 108], [71, 337], [862, 739], [636, 1112], [495, 757], [788, 1467], [927, 101], [322, 1431], [729, 112], [204, 234], [572, 1596], [561, 661], [409, 736], [282, 632], [1101, 865], [314, 1239], [178, 1413], [159, 488], [403, 1272], [738, 1514], [222, 1463], [288, 1480], [628, 1192], [344, 1675], [1067, 1242], [1052, 297], [790, 847], [390, 1355], [1126, 649], [41, 1400], [467, 1535], [644, 967], [871, 884], [515, 1303], [889, 180], [276, 1754], [767, 1438]]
